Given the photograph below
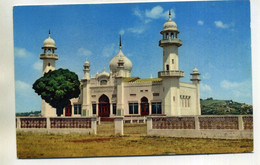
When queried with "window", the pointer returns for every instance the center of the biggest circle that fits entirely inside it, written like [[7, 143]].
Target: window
[[172, 61], [132, 94], [156, 94], [49, 64], [77, 109], [133, 108], [114, 108], [103, 82], [156, 108], [185, 101], [167, 67], [94, 109]]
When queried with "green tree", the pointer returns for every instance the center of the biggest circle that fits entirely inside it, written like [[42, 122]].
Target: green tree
[[57, 88]]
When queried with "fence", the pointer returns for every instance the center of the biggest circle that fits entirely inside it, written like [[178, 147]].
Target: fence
[[57, 124], [215, 126]]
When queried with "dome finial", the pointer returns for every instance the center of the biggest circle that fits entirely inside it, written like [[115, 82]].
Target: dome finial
[[170, 15], [49, 33], [120, 44]]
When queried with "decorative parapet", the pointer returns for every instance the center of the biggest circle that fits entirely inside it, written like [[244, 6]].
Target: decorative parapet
[[171, 73], [170, 41], [49, 55]]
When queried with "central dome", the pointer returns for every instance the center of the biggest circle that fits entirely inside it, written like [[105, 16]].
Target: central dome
[[120, 58]]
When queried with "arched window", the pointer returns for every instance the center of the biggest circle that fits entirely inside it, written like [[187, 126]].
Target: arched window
[[103, 82]]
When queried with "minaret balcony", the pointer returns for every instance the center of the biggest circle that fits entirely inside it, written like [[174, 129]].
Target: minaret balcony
[[171, 73], [170, 41], [49, 56]]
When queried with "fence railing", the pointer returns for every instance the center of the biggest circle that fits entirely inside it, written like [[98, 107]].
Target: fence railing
[[215, 126], [57, 124]]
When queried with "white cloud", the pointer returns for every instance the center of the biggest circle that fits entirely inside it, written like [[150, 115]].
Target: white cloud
[[220, 24], [122, 32], [158, 12], [137, 30], [109, 50], [200, 22], [240, 91], [206, 76], [84, 52], [21, 52], [205, 88], [22, 86], [37, 65], [229, 85], [137, 13]]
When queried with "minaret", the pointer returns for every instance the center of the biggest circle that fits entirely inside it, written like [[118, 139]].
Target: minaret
[[171, 73], [49, 57], [196, 81], [86, 69], [170, 43]]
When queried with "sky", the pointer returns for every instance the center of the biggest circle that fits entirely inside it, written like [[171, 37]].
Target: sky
[[215, 35]]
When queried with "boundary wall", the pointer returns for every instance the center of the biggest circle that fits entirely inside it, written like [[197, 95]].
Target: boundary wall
[[57, 124], [206, 126]]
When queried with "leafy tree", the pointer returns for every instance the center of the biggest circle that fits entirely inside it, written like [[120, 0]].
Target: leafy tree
[[57, 88]]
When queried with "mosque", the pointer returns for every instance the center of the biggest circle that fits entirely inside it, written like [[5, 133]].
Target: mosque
[[118, 94]]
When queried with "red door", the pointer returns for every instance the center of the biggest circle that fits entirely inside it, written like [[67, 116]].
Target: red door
[[144, 107], [103, 106], [103, 109], [68, 111]]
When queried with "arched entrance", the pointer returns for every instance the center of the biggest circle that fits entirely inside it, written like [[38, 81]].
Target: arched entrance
[[144, 106], [103, 106]]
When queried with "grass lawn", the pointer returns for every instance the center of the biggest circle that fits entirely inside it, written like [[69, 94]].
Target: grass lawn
[[134, 142]]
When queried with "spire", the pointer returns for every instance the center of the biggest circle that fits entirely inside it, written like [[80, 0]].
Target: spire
[[170, 15], [120, 44], [49, 33]]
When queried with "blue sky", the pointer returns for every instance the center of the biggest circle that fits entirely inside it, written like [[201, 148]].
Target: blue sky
[[215, 35]]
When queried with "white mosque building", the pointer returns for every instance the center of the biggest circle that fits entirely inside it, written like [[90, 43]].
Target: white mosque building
[[118, 94]]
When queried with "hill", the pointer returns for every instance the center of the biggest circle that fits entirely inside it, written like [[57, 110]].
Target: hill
[[210, 106]]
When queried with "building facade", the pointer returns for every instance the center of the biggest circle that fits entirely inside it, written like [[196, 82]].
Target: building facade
[[118, 94]]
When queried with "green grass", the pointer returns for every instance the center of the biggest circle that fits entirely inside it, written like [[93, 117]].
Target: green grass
[[134, 142]]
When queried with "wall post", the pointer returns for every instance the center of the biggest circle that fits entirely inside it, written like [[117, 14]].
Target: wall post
[[18, 122], [48, 123], [119, 125], [94, 125], [197, 122], [149, 124], [240, 122]]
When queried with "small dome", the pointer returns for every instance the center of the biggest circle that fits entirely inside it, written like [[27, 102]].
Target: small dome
[[49, 42], [195, 70], [103, 74], [86, 63], [113, 65], [170, 25]]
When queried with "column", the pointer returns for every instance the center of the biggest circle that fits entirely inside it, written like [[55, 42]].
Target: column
[[48, 123]]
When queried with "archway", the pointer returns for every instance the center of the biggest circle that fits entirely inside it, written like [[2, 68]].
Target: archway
[[144, 106], [103, 106]]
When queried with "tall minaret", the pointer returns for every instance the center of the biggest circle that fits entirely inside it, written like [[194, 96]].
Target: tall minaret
[[171, 73], [49, 57], [170, 44]]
